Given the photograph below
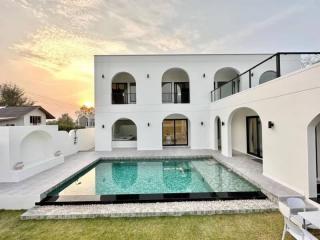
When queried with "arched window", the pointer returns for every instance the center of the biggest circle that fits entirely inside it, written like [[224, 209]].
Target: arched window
[[175, 86], [224, 75], [267, 76], [123, 89]]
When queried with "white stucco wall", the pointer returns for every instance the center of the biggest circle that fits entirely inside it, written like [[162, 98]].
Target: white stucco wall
[[149, 107], [291, 103], [36, 146]]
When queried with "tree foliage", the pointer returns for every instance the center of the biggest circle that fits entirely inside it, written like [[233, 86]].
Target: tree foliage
[[65, 123], [12, 95]]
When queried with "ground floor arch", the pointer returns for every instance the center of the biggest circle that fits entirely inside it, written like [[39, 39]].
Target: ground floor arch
[[245, 128], [313, 132], [175, 130], [124, 134]]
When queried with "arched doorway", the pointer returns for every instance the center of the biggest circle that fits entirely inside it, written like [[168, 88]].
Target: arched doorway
[[123, 89], [124, 134], [314, 157], [175, 130], [224, 75], [246, 132], [267, 76], [175, 86], [217, 133]]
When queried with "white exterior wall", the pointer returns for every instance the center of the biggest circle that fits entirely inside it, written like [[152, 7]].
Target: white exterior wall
[[35, 112], [16, 122], [291, 102], [36, 146], [149, 106]]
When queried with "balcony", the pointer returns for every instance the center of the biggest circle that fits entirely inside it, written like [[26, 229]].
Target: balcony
[[273, 67]]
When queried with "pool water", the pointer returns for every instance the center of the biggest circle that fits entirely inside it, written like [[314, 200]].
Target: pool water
[[154, 177]]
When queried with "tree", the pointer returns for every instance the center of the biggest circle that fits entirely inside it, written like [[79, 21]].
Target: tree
[[65, 123], [85, 111], [12, 95]]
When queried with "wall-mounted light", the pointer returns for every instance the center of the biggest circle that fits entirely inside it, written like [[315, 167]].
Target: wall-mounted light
[[222, 123], [270, 124], [102, 126], [148, 124], [148, 75], [204, 75], [251, 74], [202, 123], [102, 76]]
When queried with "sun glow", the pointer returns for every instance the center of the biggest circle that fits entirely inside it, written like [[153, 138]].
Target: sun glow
[[88, 104]]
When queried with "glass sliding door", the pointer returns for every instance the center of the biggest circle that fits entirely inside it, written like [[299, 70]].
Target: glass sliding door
[[181, 92], [175, 132], [167, 92], [168, 132], [119, 93], [254, 136]]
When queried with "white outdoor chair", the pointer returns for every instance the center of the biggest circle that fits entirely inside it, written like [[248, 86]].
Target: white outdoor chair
[[298, 205], [308, 236], [289, 226]]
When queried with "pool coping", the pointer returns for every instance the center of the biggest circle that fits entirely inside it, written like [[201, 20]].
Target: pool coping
[[145, 198]]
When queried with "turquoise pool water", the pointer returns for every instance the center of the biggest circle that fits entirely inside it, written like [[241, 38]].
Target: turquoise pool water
[[154, 177]]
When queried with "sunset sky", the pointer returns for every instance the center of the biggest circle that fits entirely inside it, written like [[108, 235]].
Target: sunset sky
[[47, 47]]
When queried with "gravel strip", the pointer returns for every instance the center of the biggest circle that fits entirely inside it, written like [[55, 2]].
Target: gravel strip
[[149, 209]]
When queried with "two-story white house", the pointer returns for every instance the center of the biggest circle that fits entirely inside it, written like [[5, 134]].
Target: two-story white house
[[263, 105]]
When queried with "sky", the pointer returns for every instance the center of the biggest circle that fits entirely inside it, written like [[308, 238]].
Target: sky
[[47, 46]]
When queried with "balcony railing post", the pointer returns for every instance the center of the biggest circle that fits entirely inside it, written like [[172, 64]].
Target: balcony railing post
[[278, 65]]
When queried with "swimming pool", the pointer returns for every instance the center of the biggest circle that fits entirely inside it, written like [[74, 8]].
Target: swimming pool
[[152, 180]]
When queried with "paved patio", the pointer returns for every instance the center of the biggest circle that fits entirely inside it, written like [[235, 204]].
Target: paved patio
[[24, 194]]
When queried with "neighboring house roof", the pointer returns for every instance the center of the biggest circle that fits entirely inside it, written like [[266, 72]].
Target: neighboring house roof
[[9, 113]]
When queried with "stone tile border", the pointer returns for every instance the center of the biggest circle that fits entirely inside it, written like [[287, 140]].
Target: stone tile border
[[150, 209]]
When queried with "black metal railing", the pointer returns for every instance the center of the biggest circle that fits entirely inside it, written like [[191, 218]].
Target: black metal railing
[[272, 67], [123, 98]]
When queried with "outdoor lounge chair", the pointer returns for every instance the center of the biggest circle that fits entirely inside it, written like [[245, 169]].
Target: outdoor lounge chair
[[292, 223]]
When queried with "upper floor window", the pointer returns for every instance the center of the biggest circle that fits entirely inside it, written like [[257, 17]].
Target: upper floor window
[[175, 86], [35, 120], [123, 89]]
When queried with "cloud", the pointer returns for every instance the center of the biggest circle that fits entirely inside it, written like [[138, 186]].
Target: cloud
[[235, 38], [64, 54]]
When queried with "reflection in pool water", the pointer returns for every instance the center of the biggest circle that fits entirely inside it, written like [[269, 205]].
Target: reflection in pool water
[[177, 176], [155, 176], [124, 174]]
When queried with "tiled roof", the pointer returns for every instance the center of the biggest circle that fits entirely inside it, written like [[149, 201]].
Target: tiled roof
[[16, 112]]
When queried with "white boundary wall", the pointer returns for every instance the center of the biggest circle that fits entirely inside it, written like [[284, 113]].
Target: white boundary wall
[[36, 147]]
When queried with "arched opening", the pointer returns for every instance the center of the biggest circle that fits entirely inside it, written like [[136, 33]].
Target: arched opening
[[36, 147], [267, 76], [314, 157], [124, 134], [224, 75], [175, 130], [175, 86], [217, 133], [123, 89], [246, 132]]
